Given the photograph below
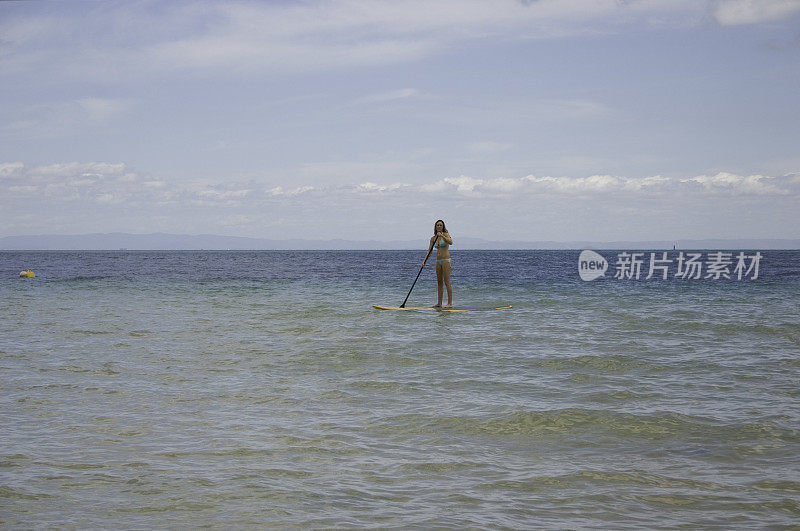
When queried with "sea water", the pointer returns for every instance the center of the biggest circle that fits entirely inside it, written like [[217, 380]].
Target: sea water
[[261, 389]]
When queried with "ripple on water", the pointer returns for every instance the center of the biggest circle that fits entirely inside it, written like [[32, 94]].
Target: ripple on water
[[159, 391]]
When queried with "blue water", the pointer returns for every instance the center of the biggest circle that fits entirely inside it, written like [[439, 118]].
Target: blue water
[[250, 389]]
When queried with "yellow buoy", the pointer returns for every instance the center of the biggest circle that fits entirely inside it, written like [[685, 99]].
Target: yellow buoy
[[26, 274]]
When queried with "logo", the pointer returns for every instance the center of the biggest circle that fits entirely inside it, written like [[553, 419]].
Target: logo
[[591, 265], [686, 266]]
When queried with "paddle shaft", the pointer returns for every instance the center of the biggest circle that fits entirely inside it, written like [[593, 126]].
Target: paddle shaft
[[418, 274]]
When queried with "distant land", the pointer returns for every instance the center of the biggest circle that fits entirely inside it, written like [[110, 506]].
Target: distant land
[[159, 241]]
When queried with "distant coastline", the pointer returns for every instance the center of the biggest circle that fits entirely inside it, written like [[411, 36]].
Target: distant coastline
[[159, 241]]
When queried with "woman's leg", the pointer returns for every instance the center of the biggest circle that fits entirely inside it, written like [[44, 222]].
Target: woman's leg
[[446, 268], [439, 284]]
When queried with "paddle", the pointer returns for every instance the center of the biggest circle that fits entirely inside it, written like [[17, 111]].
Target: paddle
[[420, 272]]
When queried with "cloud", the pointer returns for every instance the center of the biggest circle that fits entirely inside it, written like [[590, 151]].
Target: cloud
[[741, 12], [10, 169], [105, 42], [741, 184], [719, 184], [505, 185], [76, 197], [102, 109], [598, 184], [94, 179], [279, 191], [392, 95], [300, 190], [504, 111], [223, 195], [463, 184], [79, 197], [76, 181], [371, 188], [489, 148], [65, 117]]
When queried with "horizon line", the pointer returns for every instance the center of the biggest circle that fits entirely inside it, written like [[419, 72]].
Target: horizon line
[[119, 241]]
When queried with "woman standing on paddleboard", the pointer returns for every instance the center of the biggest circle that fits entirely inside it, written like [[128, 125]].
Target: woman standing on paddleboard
[[442, 241]]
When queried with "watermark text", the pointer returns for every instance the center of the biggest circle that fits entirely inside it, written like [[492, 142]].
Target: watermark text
[[679, 265]]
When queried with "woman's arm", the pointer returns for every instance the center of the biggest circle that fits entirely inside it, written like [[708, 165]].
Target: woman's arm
[[430, 248]]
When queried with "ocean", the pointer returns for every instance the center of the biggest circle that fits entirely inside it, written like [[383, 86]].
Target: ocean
[[254, 389]]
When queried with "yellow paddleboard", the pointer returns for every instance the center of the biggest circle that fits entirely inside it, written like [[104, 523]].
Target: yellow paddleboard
[[441, 309]]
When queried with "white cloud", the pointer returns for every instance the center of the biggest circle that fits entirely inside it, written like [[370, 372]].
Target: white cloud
[[530, 183], [464, 184], [279, 37], [600, 184], [741, 12], [80, 196], [10, 169], [96, 178], [87, 182], [300, 190], [371, 187], [505, 185], [102, 109], [81, 182], [23, 189], [280, 191], [534, 111], [110, 198], [70, 169], [65, 117], [594, 183], [253, 36], [740, 184], [392, 95], [721, 183], [223, 194]]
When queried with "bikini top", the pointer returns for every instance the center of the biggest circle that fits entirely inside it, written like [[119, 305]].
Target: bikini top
[[441, 243]]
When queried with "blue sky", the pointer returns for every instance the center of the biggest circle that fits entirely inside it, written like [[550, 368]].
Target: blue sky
[[534, 120]]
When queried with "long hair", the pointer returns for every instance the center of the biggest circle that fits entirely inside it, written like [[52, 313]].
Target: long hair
[[444, 227]]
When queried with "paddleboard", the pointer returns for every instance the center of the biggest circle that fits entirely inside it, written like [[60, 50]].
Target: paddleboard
[[442, 309]]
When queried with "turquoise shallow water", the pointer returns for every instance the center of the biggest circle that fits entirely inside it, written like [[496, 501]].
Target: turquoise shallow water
[[241, 389]]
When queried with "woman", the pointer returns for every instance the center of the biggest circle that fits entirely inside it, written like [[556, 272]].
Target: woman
[[442, 241]]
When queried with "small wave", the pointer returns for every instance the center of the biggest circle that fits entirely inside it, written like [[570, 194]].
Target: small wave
[[235, 452], [429, 467], [621, 395], [79, 279], [789, 331], [776, 485], [179, 507], [16, 494], [375, 385], [14, 460], [279, 473], [605, 363], [591, 422], [71, 466], [612, 478], [84, 332]]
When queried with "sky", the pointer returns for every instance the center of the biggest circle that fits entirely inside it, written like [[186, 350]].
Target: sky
[[533, 120]]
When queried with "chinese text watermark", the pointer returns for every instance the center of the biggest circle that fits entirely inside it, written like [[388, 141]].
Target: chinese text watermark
[[679, 265]]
